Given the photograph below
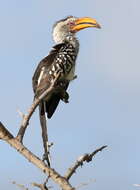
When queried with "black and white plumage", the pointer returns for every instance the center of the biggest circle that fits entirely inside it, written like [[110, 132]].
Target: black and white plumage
[[62, 58]]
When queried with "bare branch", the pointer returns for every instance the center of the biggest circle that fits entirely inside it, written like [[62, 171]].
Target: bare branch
[[20, 186], [56, 177], [16, 142], [80, 161], [40, 186], [31, 110]]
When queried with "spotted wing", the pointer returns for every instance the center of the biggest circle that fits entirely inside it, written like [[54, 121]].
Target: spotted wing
[[41, 82]]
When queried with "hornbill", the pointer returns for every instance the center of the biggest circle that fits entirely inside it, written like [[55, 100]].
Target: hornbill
[[61, 59]]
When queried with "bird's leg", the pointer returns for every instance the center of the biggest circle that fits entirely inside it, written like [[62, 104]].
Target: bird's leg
[[46, 155], [43, 122]]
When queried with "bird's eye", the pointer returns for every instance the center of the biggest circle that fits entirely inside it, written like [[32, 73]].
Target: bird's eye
[[71, 23]]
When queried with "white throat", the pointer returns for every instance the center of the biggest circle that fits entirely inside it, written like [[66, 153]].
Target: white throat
[[62, 37]]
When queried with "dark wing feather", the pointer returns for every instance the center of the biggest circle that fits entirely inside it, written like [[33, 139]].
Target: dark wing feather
[[51, 105], [47, 61]]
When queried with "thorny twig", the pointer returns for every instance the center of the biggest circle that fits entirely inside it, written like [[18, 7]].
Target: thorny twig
[[54, 175], [20, 186], [81, 160]]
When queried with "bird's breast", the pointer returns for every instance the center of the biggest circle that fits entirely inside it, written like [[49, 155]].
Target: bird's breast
[[65, 64]]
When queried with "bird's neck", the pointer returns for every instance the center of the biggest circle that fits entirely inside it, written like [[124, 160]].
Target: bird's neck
[[72, 40], [61, 37]]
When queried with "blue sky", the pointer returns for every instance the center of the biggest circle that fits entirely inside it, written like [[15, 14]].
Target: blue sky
[[104, 100]]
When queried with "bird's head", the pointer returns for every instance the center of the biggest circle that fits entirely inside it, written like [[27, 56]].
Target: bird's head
[[69, 26]]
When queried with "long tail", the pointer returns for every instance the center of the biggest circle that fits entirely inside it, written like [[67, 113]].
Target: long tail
[[43, 124], [51, 105]]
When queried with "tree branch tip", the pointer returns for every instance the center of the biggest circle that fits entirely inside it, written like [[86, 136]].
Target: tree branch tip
[[87, 157], [103, 147], [20, 185], [20, 113]]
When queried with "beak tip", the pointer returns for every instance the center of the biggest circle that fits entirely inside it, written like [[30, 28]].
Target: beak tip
[[98, 26]]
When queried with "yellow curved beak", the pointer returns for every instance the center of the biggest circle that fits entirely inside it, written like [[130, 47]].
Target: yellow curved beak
[[85, 22]]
